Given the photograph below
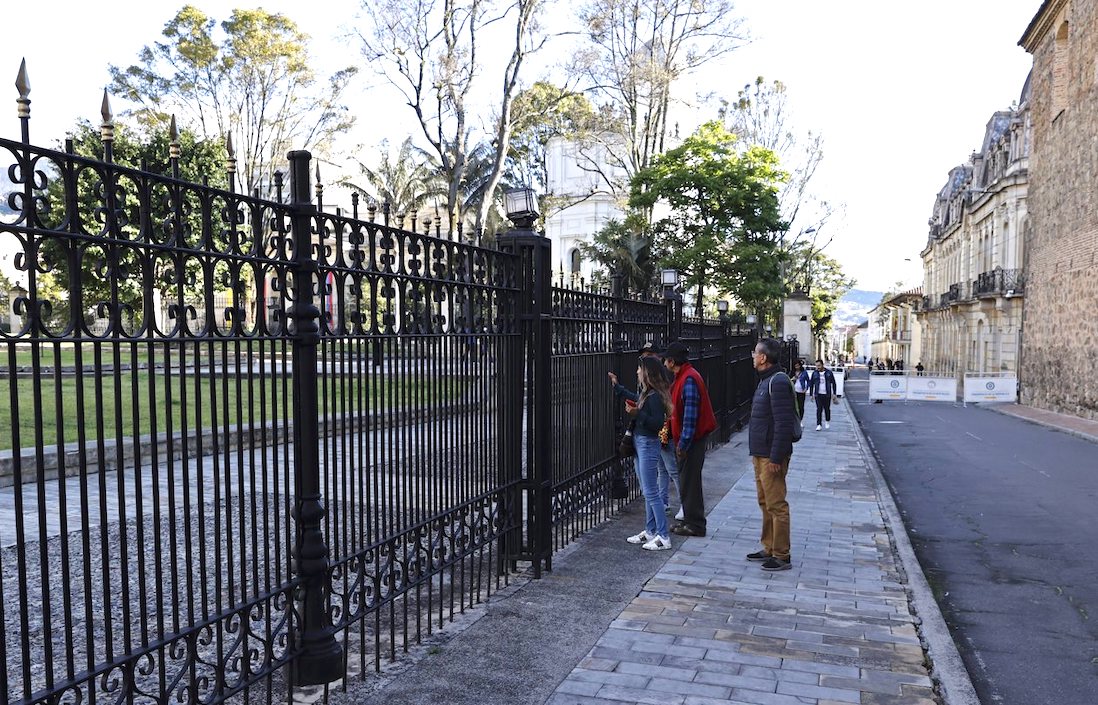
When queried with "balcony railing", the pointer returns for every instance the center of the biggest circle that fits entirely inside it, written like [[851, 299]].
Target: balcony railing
[[999, 282]]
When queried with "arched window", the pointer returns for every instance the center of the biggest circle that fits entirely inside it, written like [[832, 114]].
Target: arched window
[[575, 260]]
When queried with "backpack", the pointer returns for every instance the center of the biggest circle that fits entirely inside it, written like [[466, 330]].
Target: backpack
[[798, 429]]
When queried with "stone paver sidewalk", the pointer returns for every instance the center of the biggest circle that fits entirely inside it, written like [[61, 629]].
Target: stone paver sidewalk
[[711, 627]]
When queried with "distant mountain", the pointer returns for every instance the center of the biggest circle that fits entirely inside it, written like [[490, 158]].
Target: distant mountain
[[853, 307]]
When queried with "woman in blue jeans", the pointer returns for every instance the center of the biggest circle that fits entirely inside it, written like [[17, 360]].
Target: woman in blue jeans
[[650, 408]]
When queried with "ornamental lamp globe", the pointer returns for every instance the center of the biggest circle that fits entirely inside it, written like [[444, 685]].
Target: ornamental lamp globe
[[521, 205]]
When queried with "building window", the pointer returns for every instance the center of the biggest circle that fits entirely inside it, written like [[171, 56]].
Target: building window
[[575, 260]]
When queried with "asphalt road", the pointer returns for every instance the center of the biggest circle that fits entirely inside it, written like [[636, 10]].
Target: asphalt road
[[1003, 516]]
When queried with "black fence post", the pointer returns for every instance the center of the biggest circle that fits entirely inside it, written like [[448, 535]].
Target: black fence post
[[674, 315], [535, 312], [321, 658], [727, 378]]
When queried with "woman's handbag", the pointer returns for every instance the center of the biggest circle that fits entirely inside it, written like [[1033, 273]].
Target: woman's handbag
[[626, 448]]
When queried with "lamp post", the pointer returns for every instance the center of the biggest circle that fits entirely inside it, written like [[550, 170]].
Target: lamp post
[[669, 278], [521, 205], [753, 320]]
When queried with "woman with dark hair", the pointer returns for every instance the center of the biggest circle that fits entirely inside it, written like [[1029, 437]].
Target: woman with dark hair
[[800, 386], [649, 409]]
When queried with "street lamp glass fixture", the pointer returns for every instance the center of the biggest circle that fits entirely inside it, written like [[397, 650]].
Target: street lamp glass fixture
[[722, 306], [669, 277], [521, 205], [752, 319], [769, 328]]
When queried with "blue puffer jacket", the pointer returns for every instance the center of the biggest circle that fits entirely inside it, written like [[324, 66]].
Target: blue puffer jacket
[[770, 431]]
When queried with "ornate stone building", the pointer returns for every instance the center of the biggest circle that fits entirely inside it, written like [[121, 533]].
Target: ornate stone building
[[895, 330], [1061, 310], [973, 282]]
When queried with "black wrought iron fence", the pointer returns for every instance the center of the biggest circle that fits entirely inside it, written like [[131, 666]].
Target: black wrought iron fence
[[248, 445]]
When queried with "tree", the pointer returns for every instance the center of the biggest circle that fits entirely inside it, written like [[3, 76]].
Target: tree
[[431, 51], [129, 279], [637, 51], [252, 82], [760, 116], [624, 247], [827, 283], [724, 213], [541, 112], [406, 183]]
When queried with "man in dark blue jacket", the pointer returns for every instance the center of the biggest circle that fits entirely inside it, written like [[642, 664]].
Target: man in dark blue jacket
[[770, 443]]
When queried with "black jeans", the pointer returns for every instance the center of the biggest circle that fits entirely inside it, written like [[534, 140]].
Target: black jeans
[[800, 404], [690, 486], [823, 408]]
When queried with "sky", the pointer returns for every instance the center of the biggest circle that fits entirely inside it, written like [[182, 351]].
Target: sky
[[900, 91]]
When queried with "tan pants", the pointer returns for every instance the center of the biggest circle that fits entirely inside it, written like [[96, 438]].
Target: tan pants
[[770, 487]]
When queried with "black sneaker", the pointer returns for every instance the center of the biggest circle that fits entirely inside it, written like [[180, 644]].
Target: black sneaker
[[758, 556], [684, 530], [775, 563]]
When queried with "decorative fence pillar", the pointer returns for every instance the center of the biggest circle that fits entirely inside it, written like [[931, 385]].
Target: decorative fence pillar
[[534, 316], [321, 660]]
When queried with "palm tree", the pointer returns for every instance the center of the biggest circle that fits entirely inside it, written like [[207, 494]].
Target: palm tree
[[408, 183], [624, 247]]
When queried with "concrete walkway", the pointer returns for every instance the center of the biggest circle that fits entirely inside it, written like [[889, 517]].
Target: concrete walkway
[[852, 622], [711, 627]]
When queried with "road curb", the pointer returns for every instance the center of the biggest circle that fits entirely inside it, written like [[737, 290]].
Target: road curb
[[947, 669], [1046, 424]]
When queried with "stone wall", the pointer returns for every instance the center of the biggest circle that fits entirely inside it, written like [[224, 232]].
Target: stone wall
[[1060, 334]]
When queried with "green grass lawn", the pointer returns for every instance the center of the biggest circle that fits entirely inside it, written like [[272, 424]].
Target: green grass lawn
[[177, 401]]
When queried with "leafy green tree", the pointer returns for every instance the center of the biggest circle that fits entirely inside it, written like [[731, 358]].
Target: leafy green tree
[[759, 115], [624, 247], [825, 283], [251, 80], [724, 214], [200, 161]]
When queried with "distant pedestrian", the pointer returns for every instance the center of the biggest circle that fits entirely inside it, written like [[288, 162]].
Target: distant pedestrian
[[800, 386], [919, 368], [649, 408], [692, 419], [823, 387], [770, 443], [667, 470]]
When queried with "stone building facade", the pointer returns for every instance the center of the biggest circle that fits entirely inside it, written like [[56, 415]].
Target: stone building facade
[[895, 334], [973, 281], [1060, 340]]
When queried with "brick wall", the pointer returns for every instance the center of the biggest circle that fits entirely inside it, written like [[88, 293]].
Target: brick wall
[[1060, 339]]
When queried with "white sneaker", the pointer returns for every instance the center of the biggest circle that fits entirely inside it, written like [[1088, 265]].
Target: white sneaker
[[827, 424], [658, 543], [642, 537], [818, 427], [680, 516]]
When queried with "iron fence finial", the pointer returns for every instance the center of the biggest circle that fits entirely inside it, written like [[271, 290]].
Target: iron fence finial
[[106, 130], [23, 84], [173, 133]]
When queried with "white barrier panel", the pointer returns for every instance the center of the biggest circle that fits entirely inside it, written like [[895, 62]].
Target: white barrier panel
[[887, 386], [1000, 389], [932, 388]]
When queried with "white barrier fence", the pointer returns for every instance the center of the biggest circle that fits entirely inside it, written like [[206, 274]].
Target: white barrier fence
[[911, 386], [887, 386], [985, 387]]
